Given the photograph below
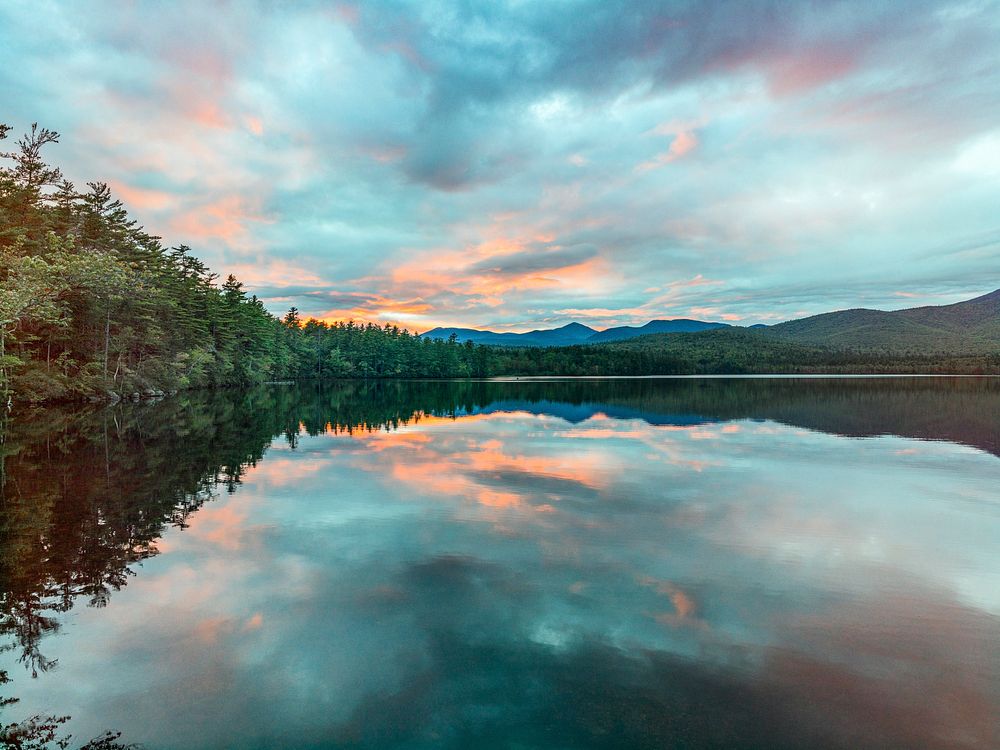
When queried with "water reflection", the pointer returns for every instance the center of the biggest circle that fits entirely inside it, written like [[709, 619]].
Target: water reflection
[[563, 564]]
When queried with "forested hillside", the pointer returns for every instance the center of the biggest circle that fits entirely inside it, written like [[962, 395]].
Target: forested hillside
[[972, 326], [730, 351], [91, 305]]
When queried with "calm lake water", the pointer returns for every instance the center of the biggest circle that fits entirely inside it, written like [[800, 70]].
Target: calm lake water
[[724, 563]]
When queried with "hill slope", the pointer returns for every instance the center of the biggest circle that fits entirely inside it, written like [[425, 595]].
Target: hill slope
[[969, 327]]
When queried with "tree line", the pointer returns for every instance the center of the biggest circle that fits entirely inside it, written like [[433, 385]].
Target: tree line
[[93, 306], [729, 351]]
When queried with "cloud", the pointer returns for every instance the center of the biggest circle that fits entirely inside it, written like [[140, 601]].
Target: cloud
[[805, 156], [408, 578], [683, 141]]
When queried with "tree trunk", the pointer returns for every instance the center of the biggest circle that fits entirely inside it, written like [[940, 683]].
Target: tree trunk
[[3, 365], [107, 339]]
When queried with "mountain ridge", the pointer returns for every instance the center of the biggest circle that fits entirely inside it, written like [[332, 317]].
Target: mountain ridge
[[969, 326], [573, 333], [567, 335], [676, 325]]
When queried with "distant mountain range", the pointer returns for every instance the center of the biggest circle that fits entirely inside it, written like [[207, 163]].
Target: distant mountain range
[[968, 327], [574, 333]]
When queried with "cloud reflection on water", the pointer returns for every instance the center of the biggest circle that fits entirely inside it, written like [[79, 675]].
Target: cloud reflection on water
[[515, 576]]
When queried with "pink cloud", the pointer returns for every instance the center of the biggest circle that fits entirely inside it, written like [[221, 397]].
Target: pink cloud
[[141, 199], [255, 621], [222, 525], [683, 143], [794, 73], [254, 125], [483, 275], [274, 272], [669, 296], [704, 311], [227, 218]]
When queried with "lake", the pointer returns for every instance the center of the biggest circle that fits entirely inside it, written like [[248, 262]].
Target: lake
[[690, 563]]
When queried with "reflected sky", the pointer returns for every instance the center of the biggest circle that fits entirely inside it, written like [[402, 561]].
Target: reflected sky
[[513, 577]]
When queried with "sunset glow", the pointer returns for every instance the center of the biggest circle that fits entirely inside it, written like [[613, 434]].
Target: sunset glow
[[486, 165]]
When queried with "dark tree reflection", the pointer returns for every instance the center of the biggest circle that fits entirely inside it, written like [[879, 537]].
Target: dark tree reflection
[[86, 493]]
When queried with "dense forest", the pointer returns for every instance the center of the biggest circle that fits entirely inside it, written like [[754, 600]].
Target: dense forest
[[93, 306], [729, 351]]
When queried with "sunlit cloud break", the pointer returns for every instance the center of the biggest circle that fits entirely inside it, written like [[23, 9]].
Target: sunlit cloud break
[[490, 164]]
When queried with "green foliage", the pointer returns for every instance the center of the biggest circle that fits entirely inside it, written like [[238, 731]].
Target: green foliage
[[91, 306], [727, 351], [970, 327]]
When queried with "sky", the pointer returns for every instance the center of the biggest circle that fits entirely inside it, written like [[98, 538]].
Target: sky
[[514, 165]]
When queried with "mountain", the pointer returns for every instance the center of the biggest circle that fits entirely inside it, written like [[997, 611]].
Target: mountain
[[970, 327], [680, 325], [574, 333]]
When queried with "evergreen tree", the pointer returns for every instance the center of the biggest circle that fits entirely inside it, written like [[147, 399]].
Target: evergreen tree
[[93, 306]]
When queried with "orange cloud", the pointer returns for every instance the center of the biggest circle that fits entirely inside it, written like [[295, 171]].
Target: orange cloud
[[222, 525], [704, 311], [469, 469], [582, 468], [279, 472], [478, 272], [671, 294], [381, 309], [208, 114], [497, 499], [684, 607], [141, 199], [225, 219], [255, 126], [683, 143], [210, 629], [254, 622]]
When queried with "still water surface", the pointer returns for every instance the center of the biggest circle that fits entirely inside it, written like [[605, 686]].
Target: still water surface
[[655, 563]]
